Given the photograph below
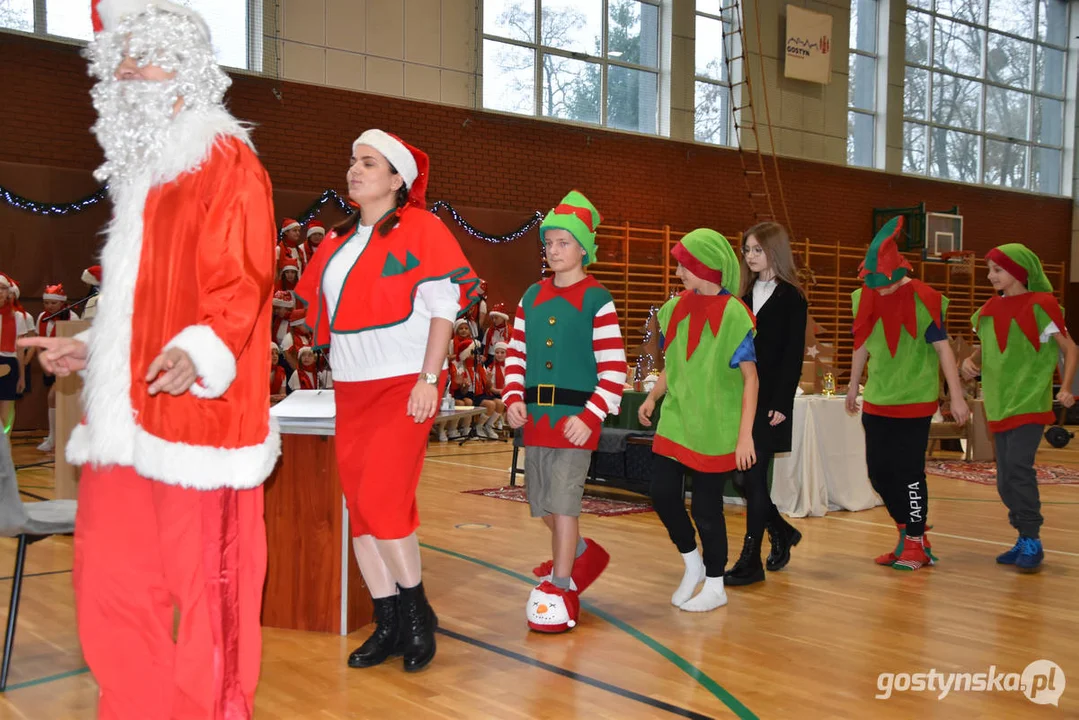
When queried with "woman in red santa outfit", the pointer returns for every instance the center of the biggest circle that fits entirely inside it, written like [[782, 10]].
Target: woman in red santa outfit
[[383, 292], [54, 299]]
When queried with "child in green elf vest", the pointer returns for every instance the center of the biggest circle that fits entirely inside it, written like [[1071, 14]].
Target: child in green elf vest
[[710, 379], [565, 372], [899, 331], [1021, 331]]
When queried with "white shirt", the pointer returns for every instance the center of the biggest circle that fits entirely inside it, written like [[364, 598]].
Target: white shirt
[[762, 290], [1050, 330], [383, 352]]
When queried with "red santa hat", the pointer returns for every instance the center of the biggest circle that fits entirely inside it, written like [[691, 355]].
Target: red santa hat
[[6, 283], [412, 164], [304, 351], [464, 347], [298, 322], [315, 227], [499, 310], [289, 264], [459, 322], [502, 346], [55, 292], [288, 224], [106, 15], [15, 287], [92, 275], [284, 299]]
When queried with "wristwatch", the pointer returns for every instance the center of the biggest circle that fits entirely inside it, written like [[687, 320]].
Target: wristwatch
[[429, 378]]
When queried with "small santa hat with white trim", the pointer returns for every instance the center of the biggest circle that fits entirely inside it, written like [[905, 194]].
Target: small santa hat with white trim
[[92, 275], [412, 164], [288, 264], [499, 310], [55, 293], [502, 346], [284, 299], [288, 224], [305, 350], [6, 282], [315, 228], [464, 347], [298, 322], [106, 15]]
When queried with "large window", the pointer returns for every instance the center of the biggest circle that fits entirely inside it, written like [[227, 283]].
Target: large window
[[235, 25], [984, 92], [862, 83], [589, 61], [712, 117]]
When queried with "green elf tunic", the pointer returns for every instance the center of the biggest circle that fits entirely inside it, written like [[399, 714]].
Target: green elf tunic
[[1019, 356], [898, 329], [704, 339]]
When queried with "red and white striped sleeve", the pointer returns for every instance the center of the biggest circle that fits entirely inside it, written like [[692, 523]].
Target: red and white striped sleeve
[[610, 355], [514, 391]]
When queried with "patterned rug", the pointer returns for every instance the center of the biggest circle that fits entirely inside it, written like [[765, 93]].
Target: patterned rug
[[591, 504], [985, 473]]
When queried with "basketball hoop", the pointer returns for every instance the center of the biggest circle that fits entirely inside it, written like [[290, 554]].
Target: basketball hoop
[[961, 262]]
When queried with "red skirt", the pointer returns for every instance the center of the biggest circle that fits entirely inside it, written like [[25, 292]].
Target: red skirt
[[380, 451]]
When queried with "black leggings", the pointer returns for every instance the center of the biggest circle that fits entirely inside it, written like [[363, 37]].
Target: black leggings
[[707, 508], [760, 509], [895, 459]]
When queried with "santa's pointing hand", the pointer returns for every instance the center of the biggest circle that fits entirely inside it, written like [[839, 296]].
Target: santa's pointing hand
[[174, 373]]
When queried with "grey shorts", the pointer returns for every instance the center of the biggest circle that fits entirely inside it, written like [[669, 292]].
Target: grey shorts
[[554, 480]]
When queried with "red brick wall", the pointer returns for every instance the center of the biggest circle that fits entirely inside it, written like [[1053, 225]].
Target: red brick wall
[[507, 163]]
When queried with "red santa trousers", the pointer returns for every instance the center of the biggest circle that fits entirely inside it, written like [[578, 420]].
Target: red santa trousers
[[380, 452], [143, 548]]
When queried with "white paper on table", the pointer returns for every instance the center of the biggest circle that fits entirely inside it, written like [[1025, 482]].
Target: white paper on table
[[306, 405]]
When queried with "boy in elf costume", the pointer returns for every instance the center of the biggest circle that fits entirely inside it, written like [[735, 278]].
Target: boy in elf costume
[[899, 331], [565, 371], [1021, 331], [710, 378]]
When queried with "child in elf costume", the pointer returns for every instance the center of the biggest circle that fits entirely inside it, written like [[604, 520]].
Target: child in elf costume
[[565, 372], [1021, 331], [899, 331], [710, 379]]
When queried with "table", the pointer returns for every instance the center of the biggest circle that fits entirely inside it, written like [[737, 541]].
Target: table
[[825, 470], [68, 415], [312, 582], [626, 419]]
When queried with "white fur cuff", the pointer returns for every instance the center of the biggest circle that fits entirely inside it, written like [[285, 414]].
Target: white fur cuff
[[213, 360]]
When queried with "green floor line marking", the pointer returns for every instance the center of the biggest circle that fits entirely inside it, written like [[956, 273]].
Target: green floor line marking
[[48, 679], [681, 663]]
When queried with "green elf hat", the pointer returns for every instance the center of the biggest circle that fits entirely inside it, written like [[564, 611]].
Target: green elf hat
[[1022, 264], [883, 264], [709, 256], [579, 216]]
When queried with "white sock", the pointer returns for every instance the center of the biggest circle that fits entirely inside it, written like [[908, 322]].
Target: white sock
[[691, 579], [52, 423], [711, 596]]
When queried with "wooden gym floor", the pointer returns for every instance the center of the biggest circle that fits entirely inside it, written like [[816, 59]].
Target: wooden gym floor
[[809, 642]]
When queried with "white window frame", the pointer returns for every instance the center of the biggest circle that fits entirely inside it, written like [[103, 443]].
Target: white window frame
[[604, 60], [731, 50], [878, 113], [983, 135]]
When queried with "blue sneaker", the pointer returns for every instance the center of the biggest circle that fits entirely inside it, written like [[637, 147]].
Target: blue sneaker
[[1030, 555], [1012, 555]]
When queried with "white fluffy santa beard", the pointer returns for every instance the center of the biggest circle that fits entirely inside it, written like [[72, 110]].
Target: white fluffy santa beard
[[133, 121]]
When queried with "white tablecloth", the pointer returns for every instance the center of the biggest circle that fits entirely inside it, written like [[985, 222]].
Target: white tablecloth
[[825, 469]]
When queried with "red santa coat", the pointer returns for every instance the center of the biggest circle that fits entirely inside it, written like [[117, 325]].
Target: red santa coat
[[188, 263]]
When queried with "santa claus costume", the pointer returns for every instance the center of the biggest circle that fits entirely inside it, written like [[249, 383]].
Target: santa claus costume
[[177, 437], [498, 331], [382, 292], [54, 299], [92, 277], [290, 246]]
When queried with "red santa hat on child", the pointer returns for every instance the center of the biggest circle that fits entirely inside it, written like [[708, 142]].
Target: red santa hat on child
[[412, 164], [502, 346], [315, 228], [499, 310], [463, 348], [55, 292], [289, 264], [304, 351], [284, 299], [288, 224], [6, 282], [92, 275]]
